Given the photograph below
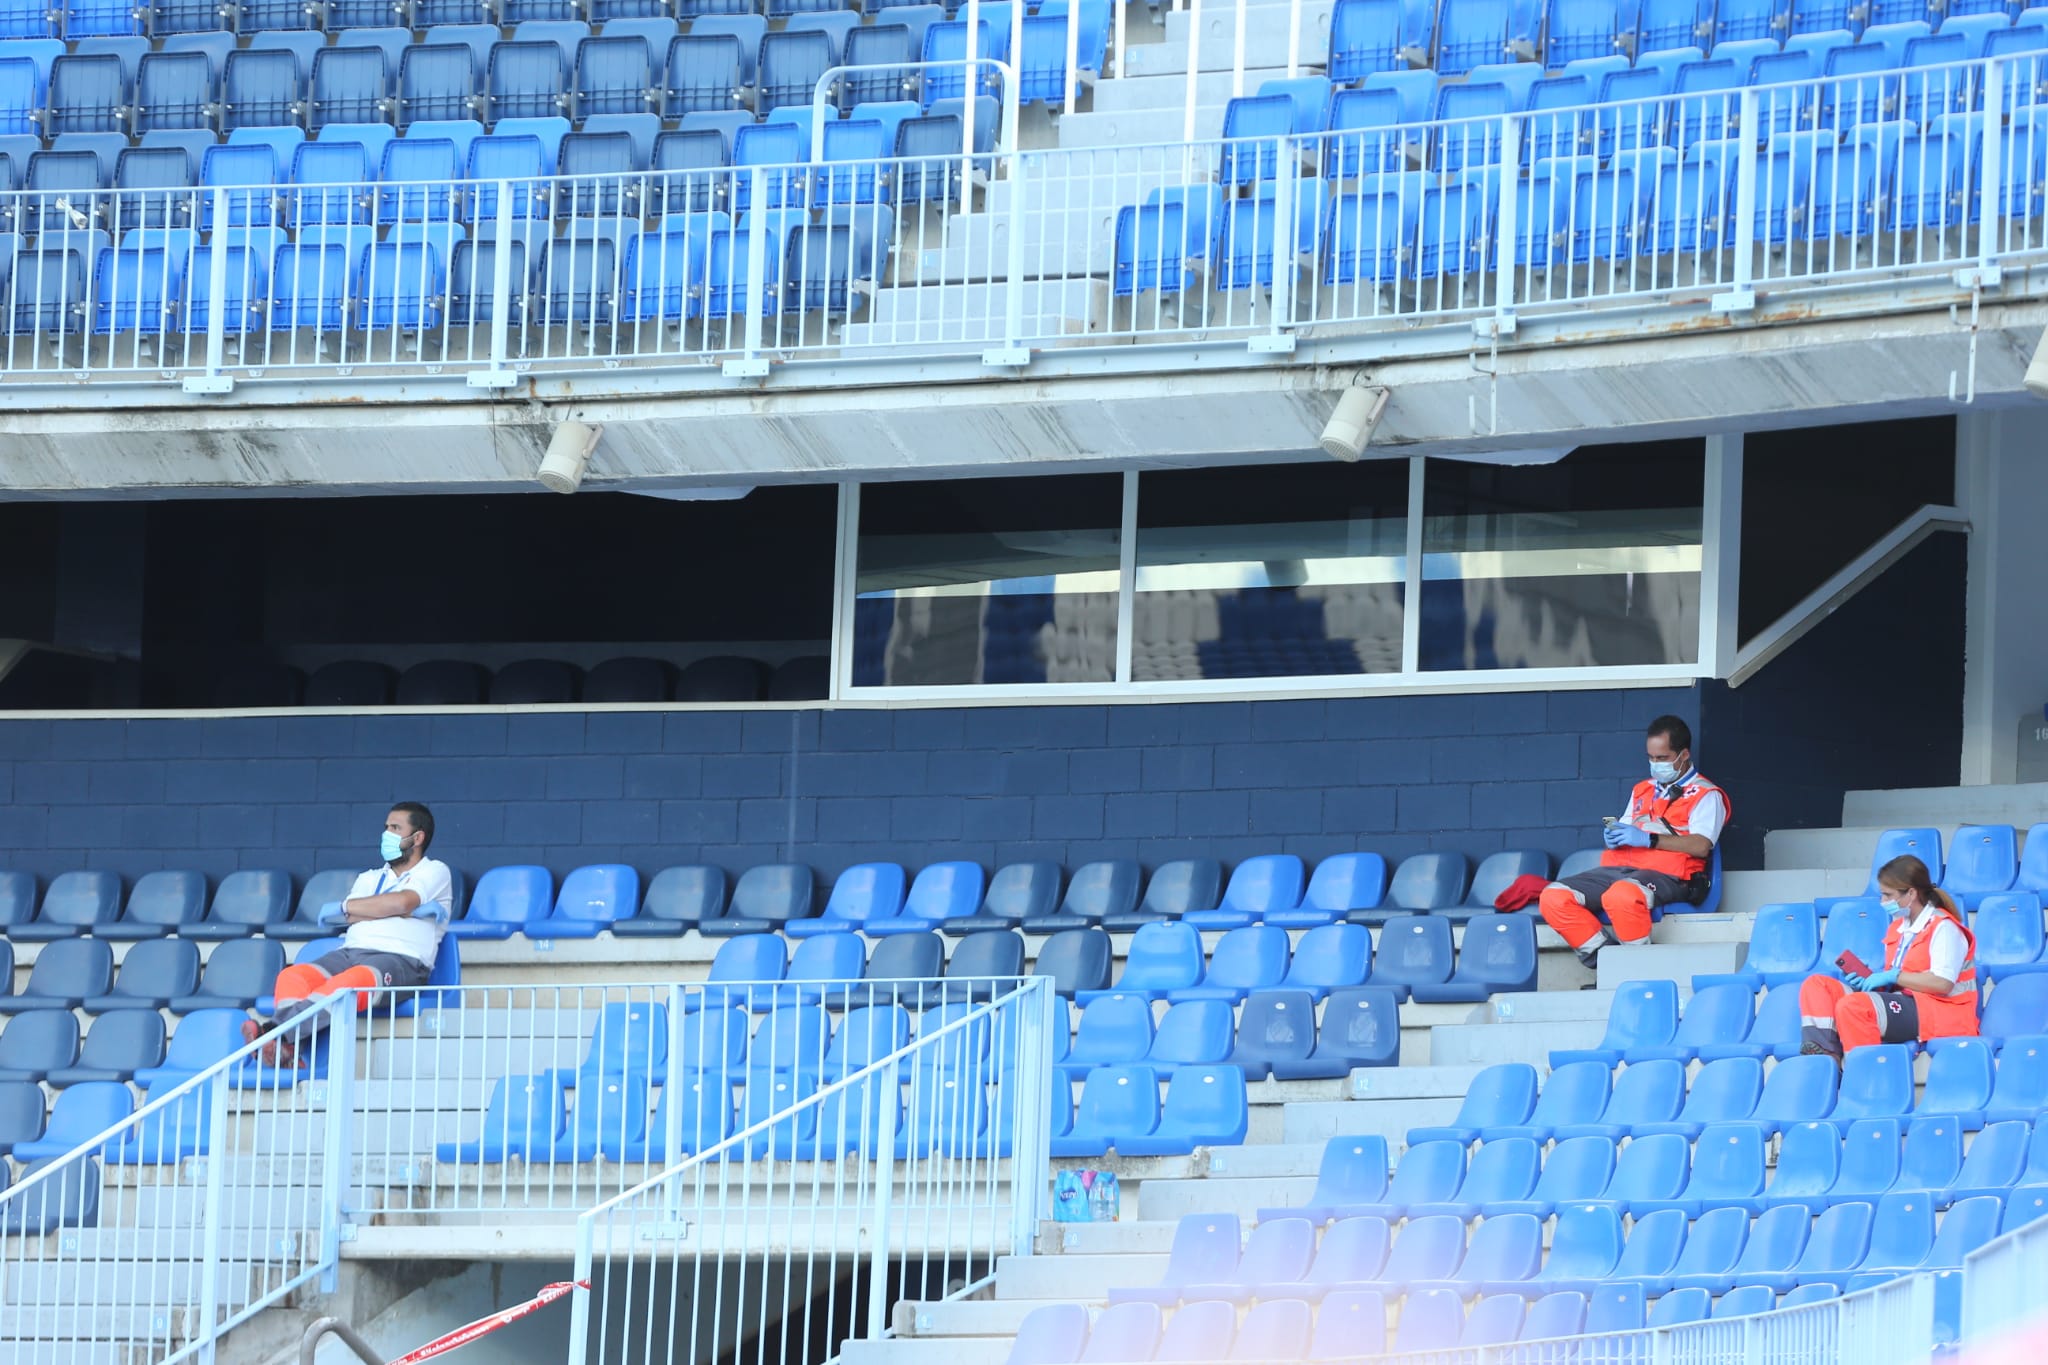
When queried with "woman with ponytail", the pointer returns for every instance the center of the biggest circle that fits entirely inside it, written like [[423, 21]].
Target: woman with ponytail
[[1926, 987]]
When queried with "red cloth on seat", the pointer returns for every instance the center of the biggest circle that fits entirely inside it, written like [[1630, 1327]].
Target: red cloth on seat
[[1521, 892]]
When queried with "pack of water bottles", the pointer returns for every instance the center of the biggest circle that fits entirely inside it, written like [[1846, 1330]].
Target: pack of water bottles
[[1086, 1197]]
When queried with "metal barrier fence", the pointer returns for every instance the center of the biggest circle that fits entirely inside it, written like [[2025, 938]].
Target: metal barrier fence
[[1880, 182], [911, 1175], [2002, 1283], [172, 1223]]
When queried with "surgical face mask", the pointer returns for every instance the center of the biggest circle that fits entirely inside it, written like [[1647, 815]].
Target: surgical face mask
[[1663, 773], [1893, 908], [391, 846]]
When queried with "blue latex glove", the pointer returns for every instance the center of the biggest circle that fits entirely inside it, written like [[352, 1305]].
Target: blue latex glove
[[1626, 836], [1853, 982], [1879, 981]]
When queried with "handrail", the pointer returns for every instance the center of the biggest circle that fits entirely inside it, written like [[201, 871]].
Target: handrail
[[1852, 578], [320, 1328]]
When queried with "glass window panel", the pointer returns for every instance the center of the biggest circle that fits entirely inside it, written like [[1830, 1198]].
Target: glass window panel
[[982, 581], [1593, 561], [1270, 571]]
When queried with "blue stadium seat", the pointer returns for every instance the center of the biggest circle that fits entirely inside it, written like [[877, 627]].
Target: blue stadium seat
[[1498, 870], [1162, 958], [898, 971], [1982, 859], [677, 901], [1347, 1263], [941, 892], [1772, 1244], [1351, 1174], [1341, 883], [791, 64], [81, 1112], [1585, 1247], [1198, 1330], [1838, 1242], [866, 1035], [1053, 1334], [1745, 1301], [347, 85], [630, 1038], [1573, 1094], [1498, 955], [1644, 1014], [1471, 33], [1414, 950], [817, 964], [506, 899], [765, 899], [66, 974], [1251, 958], [592, 898], [1365, 37], [238, 974], [17, 904], [1650, 1174], [1114, 1030], [1097, 892], [527, 1118], [38, 1043], [1268, 884], [260, 88], [1252, 128], [1784, 946], [1728, 1168], [1205, 1253], [1206, 1106], [244, 903], [167, 1135], [1077, 961], [1677, 1307], [2008, 929], [1116, 1102], [436, 82], [161, 903], [1175, 889], [1016, 893], [1870, 1160], [881, 44], [981, 961], [21, 1117], [862, 891], [1426, 1252], [1615, 1308], [1798, 1090], [1922, 843], [75, 903], [790, 1039], [120, 1044], [1655, 1246], [1561, 1313], [1275, 1028], [2015, 1008], [1722, 1092], [1193, 1033], [704, 72], [153, 973], [1498, 1172], [1877, 1082], [1809, 1163], [1501, 1095], [2020, 1088], [1968, 1224], [88, 94], [1427, 881], [1959, 1081], [1428, 1173], [1933, 1155], [1330, 957], [525, 79], [1996, 1162], [713, 1039], [1360, 1027]]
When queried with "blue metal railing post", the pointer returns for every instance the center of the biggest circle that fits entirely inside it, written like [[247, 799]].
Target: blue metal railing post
[[216, 1161], [1741, 295], [335, 1148]]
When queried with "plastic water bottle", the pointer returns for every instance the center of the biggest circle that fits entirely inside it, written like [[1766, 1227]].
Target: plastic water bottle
[[1102, 1200]]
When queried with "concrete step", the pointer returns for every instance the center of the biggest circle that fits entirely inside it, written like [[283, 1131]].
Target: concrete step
[[975, 312], [1829, 849], [184, 1206], [1550, 1007], [1748, 892], [1273, 1158], [457, 1058], [1124, 175], [1678, 962], [180, 1244], [2020, 804], [957, 1318], [159, 1288], [928, 1351], [1083, 1279], [1127, 1237], [1265, 41], [1168, 88], [1436, 1081], [1172, 1199], [32, 1323], [1488, 1044], [1134, 127], [1390, 1119], [1058, 242]]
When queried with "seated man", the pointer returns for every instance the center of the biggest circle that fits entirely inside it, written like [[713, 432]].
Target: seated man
[[395, 916], [1925, 988], [1657, 852]]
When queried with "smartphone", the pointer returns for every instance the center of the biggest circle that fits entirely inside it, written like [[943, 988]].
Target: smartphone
[[1610, 819], [1851, 965]]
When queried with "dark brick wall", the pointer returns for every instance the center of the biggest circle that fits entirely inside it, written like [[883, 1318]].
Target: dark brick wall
[[831, 788]]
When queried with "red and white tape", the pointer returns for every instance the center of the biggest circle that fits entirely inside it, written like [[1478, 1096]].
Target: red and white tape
[[483, 1327]]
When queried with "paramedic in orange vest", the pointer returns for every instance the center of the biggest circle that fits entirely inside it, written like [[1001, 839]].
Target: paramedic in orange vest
[[1657, 851], [1926, 987]]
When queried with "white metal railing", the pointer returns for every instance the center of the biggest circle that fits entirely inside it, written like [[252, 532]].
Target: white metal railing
[[2002, 1284], [171, 1224], [1877, 185], [911, 1176]]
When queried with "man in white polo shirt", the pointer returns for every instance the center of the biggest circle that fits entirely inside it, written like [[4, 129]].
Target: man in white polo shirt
[[395, 916]]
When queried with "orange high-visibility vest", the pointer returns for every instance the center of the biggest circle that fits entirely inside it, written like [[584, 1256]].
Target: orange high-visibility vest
[[1941, 1016], [1644, 802]]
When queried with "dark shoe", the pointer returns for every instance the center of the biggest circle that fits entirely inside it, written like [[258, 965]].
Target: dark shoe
[[276, 1052]]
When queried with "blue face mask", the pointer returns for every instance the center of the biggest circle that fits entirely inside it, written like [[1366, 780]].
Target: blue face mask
[[391, 846], [1893, 908], [1663, 774]]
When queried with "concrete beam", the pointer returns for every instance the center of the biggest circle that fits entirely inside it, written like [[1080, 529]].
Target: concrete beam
[[1091, 408]]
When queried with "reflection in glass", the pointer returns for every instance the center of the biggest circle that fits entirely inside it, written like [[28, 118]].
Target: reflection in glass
[[1277, 571], [984, 581], [1590, 562]]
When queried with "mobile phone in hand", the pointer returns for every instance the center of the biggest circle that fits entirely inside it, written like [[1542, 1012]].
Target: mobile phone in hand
[[1610, 819], [1851, 965]]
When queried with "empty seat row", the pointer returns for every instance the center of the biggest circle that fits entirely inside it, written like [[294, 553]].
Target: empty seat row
[[1981, 860], [1786, 943]]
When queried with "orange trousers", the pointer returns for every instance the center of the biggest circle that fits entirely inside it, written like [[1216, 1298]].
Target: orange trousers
[[1565, 910], [1825, 1002], [305, 981]]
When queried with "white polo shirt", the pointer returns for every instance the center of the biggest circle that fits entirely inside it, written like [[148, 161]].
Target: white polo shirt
[[1946, 951], [417, 936]]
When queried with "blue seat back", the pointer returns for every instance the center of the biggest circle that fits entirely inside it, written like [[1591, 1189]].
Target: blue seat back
[[1101, 889], [866, 890], [1347, 882], [167, 898], [945, 891], [774, 892], [1498, 870], [81, 899], [1193, 1032], [599, 891], [1921, 843], [688, 895], [1428, 881], [512, 895], [1265, 884], [1180, 886]]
